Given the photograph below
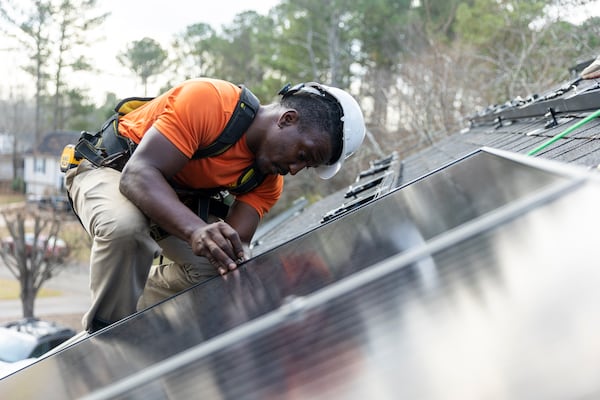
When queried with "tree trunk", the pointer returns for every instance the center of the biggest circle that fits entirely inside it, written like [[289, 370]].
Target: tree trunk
[[28, 294]]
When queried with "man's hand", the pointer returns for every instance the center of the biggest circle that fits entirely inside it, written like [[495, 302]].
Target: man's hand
[[220, 244]]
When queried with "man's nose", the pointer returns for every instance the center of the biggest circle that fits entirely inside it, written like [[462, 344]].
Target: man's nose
[[296, 167]]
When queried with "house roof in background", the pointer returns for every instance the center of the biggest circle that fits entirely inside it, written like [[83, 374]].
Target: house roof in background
[[54, 142]]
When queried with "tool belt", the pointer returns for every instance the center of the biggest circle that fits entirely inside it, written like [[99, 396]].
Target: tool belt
[[203, 204], [107, 147]]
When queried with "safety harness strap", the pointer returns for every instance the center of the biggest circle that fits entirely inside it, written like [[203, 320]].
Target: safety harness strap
[[241, 118], [129, 104], [250, 178]]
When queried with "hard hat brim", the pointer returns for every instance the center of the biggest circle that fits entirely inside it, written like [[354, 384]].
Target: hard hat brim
[[328, 171]]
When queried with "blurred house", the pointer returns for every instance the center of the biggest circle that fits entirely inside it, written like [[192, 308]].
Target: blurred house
[[42, 174], [11, 160]]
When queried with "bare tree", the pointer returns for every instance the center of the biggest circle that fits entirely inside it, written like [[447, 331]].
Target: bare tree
[[32, 256], [15, 121], [74, 20], [54, 35], [34, 37]]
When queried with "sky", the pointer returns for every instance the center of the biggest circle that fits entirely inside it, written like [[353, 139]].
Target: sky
[[129, 21]]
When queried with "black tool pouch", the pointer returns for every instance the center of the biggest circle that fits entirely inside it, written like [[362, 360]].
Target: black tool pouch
[[205, 204], [106, 148]]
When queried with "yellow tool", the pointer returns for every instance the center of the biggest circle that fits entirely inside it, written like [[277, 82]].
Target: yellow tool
[[69, 159]]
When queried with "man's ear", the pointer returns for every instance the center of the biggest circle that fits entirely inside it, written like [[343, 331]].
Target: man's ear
[[289, 117]]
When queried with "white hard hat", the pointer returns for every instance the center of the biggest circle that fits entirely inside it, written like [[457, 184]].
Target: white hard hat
[[353, 123]]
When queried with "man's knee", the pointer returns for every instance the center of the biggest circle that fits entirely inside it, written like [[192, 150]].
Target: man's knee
[[199, 271], [123, 226]]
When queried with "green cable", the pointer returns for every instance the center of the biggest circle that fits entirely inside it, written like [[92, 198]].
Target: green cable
[[565, 132]]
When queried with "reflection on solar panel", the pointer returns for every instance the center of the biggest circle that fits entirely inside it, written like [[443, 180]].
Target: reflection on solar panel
[[448, 287]]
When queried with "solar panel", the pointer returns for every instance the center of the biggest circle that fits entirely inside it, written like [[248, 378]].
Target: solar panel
[[475, 281]]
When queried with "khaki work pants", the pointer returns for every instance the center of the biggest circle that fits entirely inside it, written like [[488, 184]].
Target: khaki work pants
[[122, 277]]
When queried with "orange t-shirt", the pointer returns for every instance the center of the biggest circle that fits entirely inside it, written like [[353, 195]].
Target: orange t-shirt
[[191, 116]]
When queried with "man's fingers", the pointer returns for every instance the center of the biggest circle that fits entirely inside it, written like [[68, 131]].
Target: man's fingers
[[220, 260], [234, 240], [221, 245]]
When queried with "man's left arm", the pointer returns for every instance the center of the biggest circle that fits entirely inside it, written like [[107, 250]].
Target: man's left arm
[[244, 219]]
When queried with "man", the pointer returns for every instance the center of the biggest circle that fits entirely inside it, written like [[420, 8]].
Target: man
[[592, 71], [314, 126]]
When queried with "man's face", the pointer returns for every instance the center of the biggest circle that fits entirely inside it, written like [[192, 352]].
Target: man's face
[[287, 150]]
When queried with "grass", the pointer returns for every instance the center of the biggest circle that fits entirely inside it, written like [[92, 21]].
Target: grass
[[10, 289], [8, 198]]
